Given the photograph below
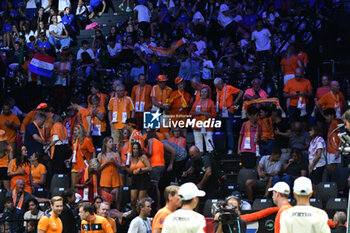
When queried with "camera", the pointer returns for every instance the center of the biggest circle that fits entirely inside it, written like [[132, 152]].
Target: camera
[[228, 213]]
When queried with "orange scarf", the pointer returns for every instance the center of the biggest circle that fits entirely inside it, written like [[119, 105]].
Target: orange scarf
[[14, 197], [40, 131], [94, 182]]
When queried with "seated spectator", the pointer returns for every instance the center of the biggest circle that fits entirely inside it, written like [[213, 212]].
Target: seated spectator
[[324, 89], [81, 14], [268, 167], [58, 34], [87, 183], [41, 29], [42, 43], [255, 92], [299, 138], [68, 21], [294, 168], [19, 168], [31, 227], [19, 195], [282, 134], [339, 219], [33, 213], [12, 213], [136, 70], [38, 172], [97, 203]]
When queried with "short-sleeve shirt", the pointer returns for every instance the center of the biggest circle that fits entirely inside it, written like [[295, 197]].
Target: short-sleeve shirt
[[184, 221], [38, 171], [255, 131], [270, 166], [290, 65], [230, 91], [251, 92], [292, 86], [10, 133], [82, 115], [159, 218], [315, 144], [330, 100], [57, 29], [29, 142], [262, 39], [98, 224], [120, 106], [50, 224]]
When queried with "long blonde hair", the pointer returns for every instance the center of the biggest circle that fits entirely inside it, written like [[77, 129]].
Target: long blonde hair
[[104, 145], [81, 133]]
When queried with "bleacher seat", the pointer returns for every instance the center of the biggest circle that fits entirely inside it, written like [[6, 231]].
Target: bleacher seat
[[59, 181], [336, 204], [2, 198], [124, 197], [57, 191], [292, 201], [44, 206], [207, 207], [41, 192], [243, 175], [260, 204], [326, 190], [340, 176], [316, 202], [229, 188]]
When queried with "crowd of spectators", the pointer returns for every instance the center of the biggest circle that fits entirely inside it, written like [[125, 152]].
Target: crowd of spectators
[[198, 59]]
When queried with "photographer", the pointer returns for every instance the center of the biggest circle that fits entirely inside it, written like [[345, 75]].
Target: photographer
[[227, 217]]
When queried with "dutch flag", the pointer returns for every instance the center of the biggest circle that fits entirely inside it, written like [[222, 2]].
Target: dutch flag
[[42, 64]]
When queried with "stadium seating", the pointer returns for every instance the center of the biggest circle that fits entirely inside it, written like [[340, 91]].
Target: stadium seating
[[340, 176], [336, 204], [57, 191], [326, 190], [243, 175], [59, 181], [44, 206], [2, 198], [125, 196], [208, 206], [41, 192], [316, 202], [260, 204]]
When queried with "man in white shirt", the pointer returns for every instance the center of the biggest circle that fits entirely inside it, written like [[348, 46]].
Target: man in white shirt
[[142, 224], [262, 41], [303, 217], [85, 48], [185, 219], [143, 16]]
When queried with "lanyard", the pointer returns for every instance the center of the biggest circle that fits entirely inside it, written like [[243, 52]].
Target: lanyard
[[183, 101], [41, 134], [145, 223], [138, 94], [223, 99], [206, 105], [115, 104]]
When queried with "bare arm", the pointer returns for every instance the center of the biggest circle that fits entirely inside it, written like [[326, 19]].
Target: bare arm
[[239, 96], [88, 118], [205, 178], [38, 139]]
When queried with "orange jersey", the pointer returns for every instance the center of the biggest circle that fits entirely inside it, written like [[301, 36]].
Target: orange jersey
[[293, 86], [206, 105], [267, 128], [142, 97], [157, 157], [10, 133], [38, 171], [97, 224], [103, 100], [97, 126], [82, 116], [121, 109], [179, 102], [330, 100], [4, 161], [58, 132], [50, 224], [159, 218], [197, 93], [86, 148], [161, 95], [224, 97], [28, 119], [303, 57], [26, 177], [180, 141], [290, 65], [278, 216]]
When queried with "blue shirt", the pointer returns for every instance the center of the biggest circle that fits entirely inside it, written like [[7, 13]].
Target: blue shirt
[[68, 21], [153, 72], [95, 3], [30, 143], [45, 44]]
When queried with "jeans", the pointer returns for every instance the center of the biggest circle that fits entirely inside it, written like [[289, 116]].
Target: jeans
[[229, 130], [64, 42], [266, 149], [285, 178]]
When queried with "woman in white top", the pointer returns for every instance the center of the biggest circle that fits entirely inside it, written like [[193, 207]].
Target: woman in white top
[[58, 34], [33, 212], [317, 158]]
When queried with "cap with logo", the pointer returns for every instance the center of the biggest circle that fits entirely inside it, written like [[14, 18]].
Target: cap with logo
[[281, 187], [302, 186], [162, 78], [189, 191]]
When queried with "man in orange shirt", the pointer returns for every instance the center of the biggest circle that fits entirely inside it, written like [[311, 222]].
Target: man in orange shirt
[[92, 223], [160, 94], [10, 123], [197, 85], [141, 95], [333, 99], [83, 115], [225, 104], [120, 109], [280, 194], [298, 90], [96, 90], [51, 223], [173, 202], [104, 211]]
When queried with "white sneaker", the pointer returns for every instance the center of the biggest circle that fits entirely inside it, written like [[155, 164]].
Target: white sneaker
[[128, 9], [230, 152]]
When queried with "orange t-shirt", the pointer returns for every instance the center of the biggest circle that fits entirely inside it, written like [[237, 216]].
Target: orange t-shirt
[[142, 94], [159, 218], [204, 106], [10, 133], [292, 86], [50, 224], [112, 223], [4, 161], [87, 148], [38, 171], [267, 128], [278, 216], [303, 57], [290, 65], [26, 177], [97, 123], [28, 119], [103, 100], [157, 157], [197, 93], [334, 141], [161, 95], [181, 141], [329, 100], [60, 131], [118, 106], [82, 115], [179, 101], [228, 101]]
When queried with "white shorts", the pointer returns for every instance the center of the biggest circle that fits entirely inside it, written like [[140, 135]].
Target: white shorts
[[331, 158]]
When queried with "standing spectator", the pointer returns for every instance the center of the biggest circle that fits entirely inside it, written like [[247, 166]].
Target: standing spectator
[[173, 202], [225, 106], [34, 138], [83, 115], [104, 211], [262, 42], [6, 155], [289, 63], [19, 195], [95, 5], [255, 92], [98, 117], [136, 70], [38, 172], [339, 222], [88, 217], [324, 89], [185, 219], [251, 131], [87, 181], [140, 180], [67, 217], [81, 14], [142, 224], [298, 89], [185, 69], [135, 136], [203, 109], [317, 156], [313, 220], [33, 213], [333, 99], [143, 16], [51, 222], [226, 20], [58, 34], [141, 96], [270, 16], [160, 94], [197, 85], [177, 138], [19, 169], [96, 90], [120, 108]]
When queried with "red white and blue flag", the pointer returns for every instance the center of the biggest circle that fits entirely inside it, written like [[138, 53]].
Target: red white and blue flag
[[42, 64]]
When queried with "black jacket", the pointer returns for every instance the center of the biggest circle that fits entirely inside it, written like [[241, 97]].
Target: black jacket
[[68, 220]]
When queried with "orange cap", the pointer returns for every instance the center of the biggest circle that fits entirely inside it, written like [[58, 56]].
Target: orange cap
[[41, 106], [3, 136], [178, 80], [162, 78]]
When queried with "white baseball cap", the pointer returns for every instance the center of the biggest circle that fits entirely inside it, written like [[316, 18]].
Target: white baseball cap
[[189, 191], [302, 186], [281, 187]]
